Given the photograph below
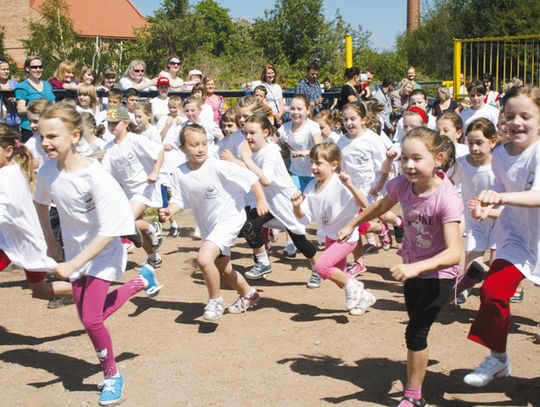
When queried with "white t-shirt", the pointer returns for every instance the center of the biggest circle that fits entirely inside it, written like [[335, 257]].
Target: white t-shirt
[[215, 193], [331, 208], [472, 181], [34, 145], [207, 113], [130, 162], [519, 240], [400, 133], [152, 134], [126, 83], [278, 193], [90, 203], [231, 143], [300, 140], [487, 111], [160, 107], [332, 138], [363, 157], [212, 130], [173, 158], [21, 237]]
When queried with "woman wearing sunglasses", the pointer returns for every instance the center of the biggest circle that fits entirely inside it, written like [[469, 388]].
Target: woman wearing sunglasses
[[31, 89], [171, 72], [134, 77]]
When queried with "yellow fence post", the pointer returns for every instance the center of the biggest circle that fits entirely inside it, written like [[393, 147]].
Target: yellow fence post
[[348, 51], [457, 68]]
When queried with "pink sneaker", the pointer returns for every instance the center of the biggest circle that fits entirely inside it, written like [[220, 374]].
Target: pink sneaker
[[356, 268], [385, 238]]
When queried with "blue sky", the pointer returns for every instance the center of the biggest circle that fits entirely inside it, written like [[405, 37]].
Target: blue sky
[[385, 19]]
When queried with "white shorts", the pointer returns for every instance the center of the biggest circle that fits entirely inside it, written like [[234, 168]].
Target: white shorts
[[223, 238]]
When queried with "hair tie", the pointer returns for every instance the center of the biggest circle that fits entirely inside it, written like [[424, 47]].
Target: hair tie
[[17, 144], [420, 112]]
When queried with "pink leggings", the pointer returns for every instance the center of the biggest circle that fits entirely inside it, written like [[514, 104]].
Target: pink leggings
[[94, 305], [490, 327], [334, 256]]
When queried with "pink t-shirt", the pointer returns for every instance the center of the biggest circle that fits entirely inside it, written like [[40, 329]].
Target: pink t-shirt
[[424, 217]]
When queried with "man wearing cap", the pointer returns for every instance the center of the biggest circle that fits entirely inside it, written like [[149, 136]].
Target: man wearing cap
[[311, 87], [159, 104], [383, 96]]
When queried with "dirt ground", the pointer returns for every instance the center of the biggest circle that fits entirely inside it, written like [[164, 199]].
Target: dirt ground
[[299, 347]]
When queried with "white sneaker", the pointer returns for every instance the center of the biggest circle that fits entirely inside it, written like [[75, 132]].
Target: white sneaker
[[491, 368], [214, 309], [243, 303], [365, 302], [354, 295], [196, 233]]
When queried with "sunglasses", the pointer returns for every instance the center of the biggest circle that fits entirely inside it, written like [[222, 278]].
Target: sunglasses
[[36, 66], [175, 63], [138, 70]]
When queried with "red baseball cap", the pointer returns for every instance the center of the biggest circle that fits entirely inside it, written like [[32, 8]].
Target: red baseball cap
[[163, 81]]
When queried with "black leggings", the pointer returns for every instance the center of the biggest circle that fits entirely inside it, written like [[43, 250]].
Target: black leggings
[[251, 231], [424, 298]]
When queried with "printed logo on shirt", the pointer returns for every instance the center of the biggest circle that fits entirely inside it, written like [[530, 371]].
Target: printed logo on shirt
[[530, 181], [422, 236], [87, 204], [132, 159], [211, 192], [325, 219]]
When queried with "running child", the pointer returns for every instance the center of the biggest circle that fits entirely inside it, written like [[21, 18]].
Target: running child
[[474, 174], [431, 250], [516, 166], [21, 238], [135, 162], [143, 117], [92, 135], [364, 155], [330, 200], [327, 123], [87, 100], [263, 158], [215, 191], [33, 113], [94, 212], [228, 123]]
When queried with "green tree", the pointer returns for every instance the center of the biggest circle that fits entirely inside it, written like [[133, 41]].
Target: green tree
[[217, 25], [4, 56]]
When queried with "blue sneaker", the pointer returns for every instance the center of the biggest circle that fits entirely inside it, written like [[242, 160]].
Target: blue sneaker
[[112, 390], [149, 275]]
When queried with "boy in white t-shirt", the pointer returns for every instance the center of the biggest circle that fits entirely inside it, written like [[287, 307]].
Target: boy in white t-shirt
[[477, 94], [160, 104]]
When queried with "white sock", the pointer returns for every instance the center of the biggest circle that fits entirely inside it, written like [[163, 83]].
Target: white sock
[[351, 284], [262, 258], [151, 229], [399, 222], [174, 224], [501, 357]]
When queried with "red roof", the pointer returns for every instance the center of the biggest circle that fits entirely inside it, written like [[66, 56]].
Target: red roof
[[102, 18]]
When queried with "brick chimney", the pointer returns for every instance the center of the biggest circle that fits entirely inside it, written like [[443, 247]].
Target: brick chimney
[[413, 14]]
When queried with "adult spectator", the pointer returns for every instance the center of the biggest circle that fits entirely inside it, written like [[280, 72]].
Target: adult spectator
[[492, 97], [174, 64], [383, 97], [64, 76], [443, 102], [311, 87], [462, 87], [274, 92], [349, 92], [411, 76], [216, 102], [134, 77], [31, 89], [8, 110], [400, 97]]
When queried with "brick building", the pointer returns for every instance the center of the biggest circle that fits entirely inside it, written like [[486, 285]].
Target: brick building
[[106, 19]]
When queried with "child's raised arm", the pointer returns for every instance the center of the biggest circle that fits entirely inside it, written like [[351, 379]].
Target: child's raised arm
[[525, 199], [360, 198]]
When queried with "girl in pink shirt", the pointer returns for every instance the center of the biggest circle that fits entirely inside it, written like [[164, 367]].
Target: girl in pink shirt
[[432, 211]]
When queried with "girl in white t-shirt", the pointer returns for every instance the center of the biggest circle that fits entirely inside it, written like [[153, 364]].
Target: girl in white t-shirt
[[263, 158], [93, 212], [474, 174], [135, 162], [331, 200], [143, 117], [326, 122], [192, 110], [364, 157], [21, 238], [92, 134], [516, 166], [87, 100], [215, 191]]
